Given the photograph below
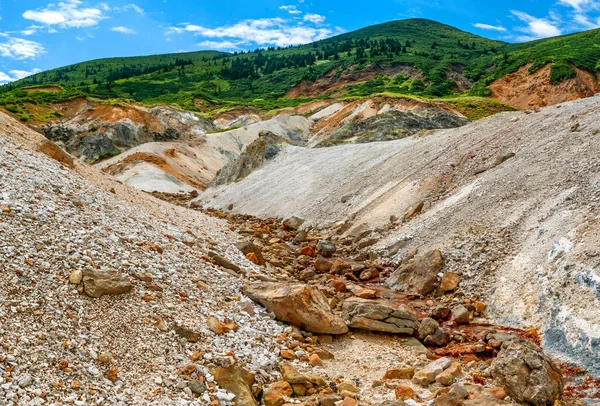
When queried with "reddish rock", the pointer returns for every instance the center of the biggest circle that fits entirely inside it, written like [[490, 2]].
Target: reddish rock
[[450, 281], [322, 265], [308, 251]]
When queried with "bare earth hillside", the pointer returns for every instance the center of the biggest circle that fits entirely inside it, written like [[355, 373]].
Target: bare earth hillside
[[512, 200]]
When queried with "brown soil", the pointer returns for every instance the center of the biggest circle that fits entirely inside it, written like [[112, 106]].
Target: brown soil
[[330, 82], [524, 91], [53, 89]]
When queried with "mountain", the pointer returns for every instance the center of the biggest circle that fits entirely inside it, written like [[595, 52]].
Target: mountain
[[409, 57]]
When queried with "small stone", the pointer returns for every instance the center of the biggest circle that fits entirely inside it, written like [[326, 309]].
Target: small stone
[[75, 384], [75, 277], [427, 327], [315, 361], [402, 373], [349, 402], [328, 399], [449, 375], [460, 314], [322, 265], [347, 386], [308, 251], [25, 381], [326, 248], [98, 283], [274, 395], [479, 307], [448, 399], [428, 374], [293, 223], [404, 392], [369, 274], [306, 274], [450, 281], [197, 386], [439, 338], [459, 389], [288, 354], [112, 375], [218, 327]]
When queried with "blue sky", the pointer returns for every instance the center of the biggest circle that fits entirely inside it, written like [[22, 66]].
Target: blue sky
[[40, 35]]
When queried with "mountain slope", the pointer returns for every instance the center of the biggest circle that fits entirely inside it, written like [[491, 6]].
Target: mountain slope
[[415, 56], [509, 199]]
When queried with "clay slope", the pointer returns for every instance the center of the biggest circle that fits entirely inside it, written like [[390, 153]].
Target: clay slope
[[184, 165], [521, 230], [525, 91], [92, 130]]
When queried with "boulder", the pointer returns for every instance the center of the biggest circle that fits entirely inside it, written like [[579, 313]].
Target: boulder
[[526, 374], [439, 338], [418, 275], [298, 304], [238, 381], [98, 283], [374, 315]]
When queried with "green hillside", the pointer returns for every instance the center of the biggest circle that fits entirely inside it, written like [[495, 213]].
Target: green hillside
[[201, 80]]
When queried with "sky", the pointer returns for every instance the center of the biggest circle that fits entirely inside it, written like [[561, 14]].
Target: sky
[[37, 35]]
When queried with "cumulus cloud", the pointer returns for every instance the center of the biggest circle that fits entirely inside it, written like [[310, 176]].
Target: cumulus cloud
[[314, 18], [489, 27], [19, 48], [13, 75], [536, 27], [291, 9], [123, 30], [264, 31], [67, 14]]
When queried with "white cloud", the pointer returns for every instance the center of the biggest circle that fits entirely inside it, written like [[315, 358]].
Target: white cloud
[[265, 31], [123, 30], [314, 18], [489, 27], [581, 5], [19, 48], [67, 14], [583, 21], [16, 75], [220, 45], [536, 27], [291, 9]]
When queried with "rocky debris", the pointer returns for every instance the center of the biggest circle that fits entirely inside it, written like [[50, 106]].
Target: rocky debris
[[379, 316], [297, 304], [447, 377], [98, 283], [438, 338], [527, 374], [404, 392], [238, 381], [55, 152], [419, 275], [429, 373]]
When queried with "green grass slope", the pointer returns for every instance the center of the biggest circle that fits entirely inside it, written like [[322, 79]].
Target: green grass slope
[[202, 80]]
